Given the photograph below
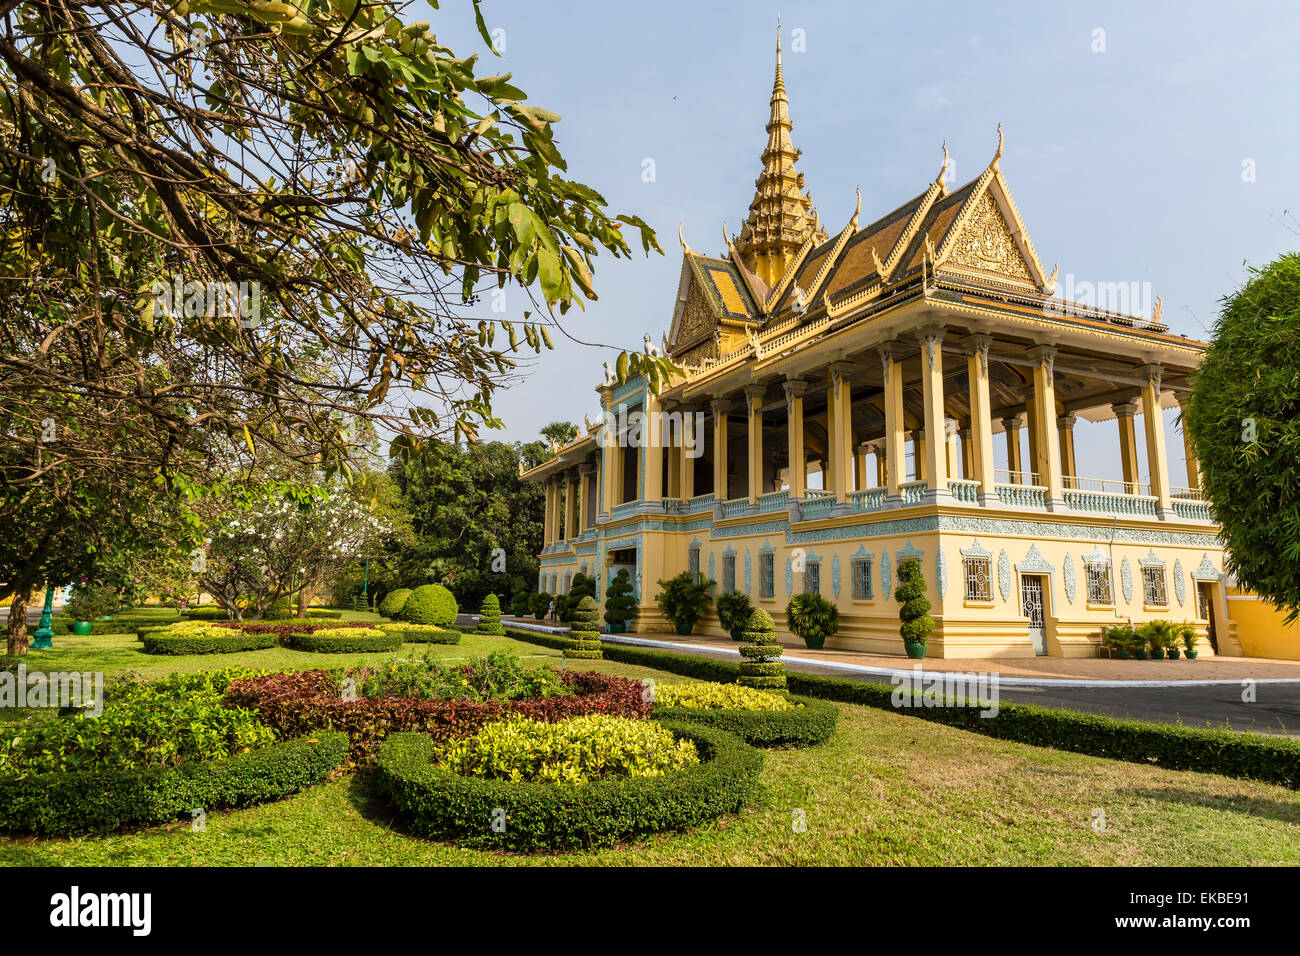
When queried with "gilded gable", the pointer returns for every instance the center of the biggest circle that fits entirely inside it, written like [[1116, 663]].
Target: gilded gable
[[698, 319], [986, 244]]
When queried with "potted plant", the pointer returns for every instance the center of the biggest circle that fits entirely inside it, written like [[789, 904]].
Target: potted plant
[[1120, 640], [619, 602], [734, 610], [914, 608], [685, 600], [813, 618], [87, 604], [1188, 634]]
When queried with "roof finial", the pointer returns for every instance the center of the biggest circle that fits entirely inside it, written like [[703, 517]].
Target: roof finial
[[854, 221], [998, 154], [943, 170], [682, 239]]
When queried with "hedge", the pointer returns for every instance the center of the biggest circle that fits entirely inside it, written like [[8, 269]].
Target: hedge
[[103, 801], [155, 643], [545, 816], [802, 727], [122, 624], [1227, 752], [343, 645], [304, 701], [421, 633]]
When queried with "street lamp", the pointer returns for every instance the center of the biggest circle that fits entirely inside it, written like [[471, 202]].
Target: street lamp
[[42, 640]]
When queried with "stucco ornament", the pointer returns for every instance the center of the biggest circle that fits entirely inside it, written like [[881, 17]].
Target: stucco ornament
[[1126, 580], [1004, 575], [941, 573], [835, 575], [1180, 582], [1067, 577], [884, 574]]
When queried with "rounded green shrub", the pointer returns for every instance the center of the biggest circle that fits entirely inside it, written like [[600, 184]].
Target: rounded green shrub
[[539, 604], [393, 602], [734, 609], [620, 604], [761, 653], [431, 604], [584, 632], [914, 608], [489, 616]]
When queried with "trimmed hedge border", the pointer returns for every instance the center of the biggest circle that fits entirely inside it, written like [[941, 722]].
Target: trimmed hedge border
[[64, 804], [811, 724], [445, 636], [301, 702], [545, 816], [1228, 752], [343, 645], [155, 643]]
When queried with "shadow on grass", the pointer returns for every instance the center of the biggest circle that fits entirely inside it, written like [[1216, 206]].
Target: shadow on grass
[[1283, 810]]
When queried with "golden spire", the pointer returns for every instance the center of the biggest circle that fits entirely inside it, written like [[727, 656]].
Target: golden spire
[[781, 217]]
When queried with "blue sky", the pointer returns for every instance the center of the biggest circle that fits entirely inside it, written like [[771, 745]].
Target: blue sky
[[1132, 164]]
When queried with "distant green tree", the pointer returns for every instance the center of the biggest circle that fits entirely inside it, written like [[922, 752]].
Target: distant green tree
[[559, 433]]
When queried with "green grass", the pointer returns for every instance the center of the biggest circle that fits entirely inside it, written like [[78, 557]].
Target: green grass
[[885, 789]]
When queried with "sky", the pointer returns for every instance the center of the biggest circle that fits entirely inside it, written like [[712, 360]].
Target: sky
[[1146, 143]]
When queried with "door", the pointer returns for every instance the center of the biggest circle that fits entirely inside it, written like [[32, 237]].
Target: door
[[1031, 600], [1205, 609]]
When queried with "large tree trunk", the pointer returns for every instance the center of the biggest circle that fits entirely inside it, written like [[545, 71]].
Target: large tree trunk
[[304, 598], [18, 623]]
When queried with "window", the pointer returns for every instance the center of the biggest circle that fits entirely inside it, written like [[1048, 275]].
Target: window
[[862, 579], [979, 583], [728, 573], [693, 563], [1153, 585], [767, 574], [1098, 573], [812, 577]]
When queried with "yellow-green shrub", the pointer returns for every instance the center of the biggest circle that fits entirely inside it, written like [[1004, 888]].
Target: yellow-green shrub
[[347, 632], [573, 751], [719, 697]]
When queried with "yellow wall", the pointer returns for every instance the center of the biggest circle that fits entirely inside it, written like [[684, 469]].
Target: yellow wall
[[1259, 628]]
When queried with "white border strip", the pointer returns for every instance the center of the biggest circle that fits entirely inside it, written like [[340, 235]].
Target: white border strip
[[898, 672]]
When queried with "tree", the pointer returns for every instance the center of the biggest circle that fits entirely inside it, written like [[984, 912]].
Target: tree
[[559, 433], [914, 608], [584, 632], [233, 230], [620, 604], [475, 525], [1244, 421], [762, 668]]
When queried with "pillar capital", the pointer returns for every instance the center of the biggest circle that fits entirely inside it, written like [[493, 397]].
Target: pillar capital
[[754, 391], [1066, 421], [1151, 375], [794, 388], [1011, 423], [1124, 409]]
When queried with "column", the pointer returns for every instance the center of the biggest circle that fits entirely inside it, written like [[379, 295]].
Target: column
[[839, 424], [1128, 455], [719, 408], [1157, 457], [1035, 476], [571, 505], [1065, 431], [589, 472], [673, 452], [754, 414], [652, 449], [882, 464], [611, 471], [1011, 426], [1049, 449], [895, 456], [981, 421], [918, 455], [861, 483], [548, 521], [950, 451], [935, 456], [966, 437], [794, 391], [1189, 453], [687, 454]]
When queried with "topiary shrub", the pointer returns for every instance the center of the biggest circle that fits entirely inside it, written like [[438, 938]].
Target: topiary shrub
[[585, 631], [813, 618], [489, 617], [761, 667], [733, 613], [393, 602], [1243, 423], [620, 605], [359, 641], [914, 608], [539, 603], [216, 641], [431, 604], [685, 600]]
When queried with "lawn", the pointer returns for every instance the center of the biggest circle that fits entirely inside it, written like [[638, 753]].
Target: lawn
[[886, 789]]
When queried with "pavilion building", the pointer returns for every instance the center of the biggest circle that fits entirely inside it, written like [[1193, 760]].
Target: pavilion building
[[841, 401]]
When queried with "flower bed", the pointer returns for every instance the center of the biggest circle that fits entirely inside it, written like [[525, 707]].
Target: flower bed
[[502, 814], [298, 703], [760, 718], [216, 642], [420, 633], [105, 800], [339, 641]]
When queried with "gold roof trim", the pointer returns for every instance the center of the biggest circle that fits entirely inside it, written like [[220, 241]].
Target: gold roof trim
[[790, 272]]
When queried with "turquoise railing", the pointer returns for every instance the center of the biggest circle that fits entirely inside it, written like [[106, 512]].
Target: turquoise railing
[[1193, 510], [1022, 496], [701, 503], [1110, 503], [964, 490], [873, 499], [817, 506], [774, 501], [735, 507], [913, 492]]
